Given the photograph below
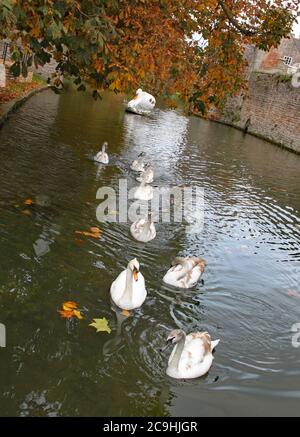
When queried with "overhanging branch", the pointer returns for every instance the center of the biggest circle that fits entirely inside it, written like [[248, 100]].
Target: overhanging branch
[[233, 21]]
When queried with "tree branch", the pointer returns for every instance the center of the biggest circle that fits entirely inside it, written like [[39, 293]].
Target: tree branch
[[233, 21]]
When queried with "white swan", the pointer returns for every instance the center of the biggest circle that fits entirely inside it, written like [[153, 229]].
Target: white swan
[[147, 175], [192, 356], [143, 230], [143, 192], [128, 290], [138, 164], [102, 156], [185, 272], [142, 103]]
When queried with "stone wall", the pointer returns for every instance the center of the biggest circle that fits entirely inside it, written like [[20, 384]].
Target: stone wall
[[2, 76], [47, 70], [271, 110]]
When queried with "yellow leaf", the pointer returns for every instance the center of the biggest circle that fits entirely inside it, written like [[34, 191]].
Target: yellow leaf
[[77, 314], [101, 325]]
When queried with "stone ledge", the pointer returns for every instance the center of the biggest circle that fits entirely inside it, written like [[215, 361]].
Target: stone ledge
[[253, 134]]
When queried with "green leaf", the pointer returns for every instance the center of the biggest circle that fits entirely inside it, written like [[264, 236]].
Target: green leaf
[[81, 87], [16, 69], [101, 325]]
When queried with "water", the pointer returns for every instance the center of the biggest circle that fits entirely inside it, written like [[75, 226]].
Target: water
[[250, 298]]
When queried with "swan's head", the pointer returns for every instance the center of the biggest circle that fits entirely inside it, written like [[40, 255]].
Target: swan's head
[[175, 336], [104, 145], [139, 92], [134, 266]]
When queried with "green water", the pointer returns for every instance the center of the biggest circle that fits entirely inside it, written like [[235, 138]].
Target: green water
[[250, 297]]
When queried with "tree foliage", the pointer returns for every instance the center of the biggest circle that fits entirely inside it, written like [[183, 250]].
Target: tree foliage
[[124, 44]]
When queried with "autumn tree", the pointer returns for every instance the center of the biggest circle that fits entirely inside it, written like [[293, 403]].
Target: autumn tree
[[125, 44]]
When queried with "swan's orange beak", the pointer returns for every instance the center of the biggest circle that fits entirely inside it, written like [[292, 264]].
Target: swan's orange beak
[[136, 275]]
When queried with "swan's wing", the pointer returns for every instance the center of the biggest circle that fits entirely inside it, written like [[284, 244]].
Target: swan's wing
[[138, 226], [118, 286], [98, 155], [139, 292], [193, 353]]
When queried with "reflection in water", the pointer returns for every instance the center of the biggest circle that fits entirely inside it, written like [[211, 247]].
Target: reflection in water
[[250, 240]]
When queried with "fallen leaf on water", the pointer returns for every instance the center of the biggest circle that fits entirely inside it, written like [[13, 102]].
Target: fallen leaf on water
[[93, 232], [69, 310], [77, 314], [69, 306], [101, 325], [28, 202], [126, 313], [66, 314]]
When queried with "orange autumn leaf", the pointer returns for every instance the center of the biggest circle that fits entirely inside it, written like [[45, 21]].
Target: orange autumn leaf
[[28, 202], [77, 314], [70, 310], [69, 306], [93, 232], [66, 314]]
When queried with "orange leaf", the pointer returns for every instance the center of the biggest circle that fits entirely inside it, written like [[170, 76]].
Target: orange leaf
[[28, 202], [77, 314], [66, 314], [95, 230], [70, 306]]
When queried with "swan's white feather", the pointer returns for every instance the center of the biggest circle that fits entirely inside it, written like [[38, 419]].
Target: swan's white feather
[[139, 292]]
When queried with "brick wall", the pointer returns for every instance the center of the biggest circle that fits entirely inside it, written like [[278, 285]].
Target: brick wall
[[272, 107]]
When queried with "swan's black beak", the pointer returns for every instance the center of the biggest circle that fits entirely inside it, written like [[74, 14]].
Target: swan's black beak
[[165, 347]]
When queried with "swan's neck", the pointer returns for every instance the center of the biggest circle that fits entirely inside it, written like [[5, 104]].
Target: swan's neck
[[103, 148], [177, 354], [127, 295]]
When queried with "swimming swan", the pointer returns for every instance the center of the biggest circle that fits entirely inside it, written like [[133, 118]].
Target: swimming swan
[[147, 175], [142, 103], [185, 272], [143, 192], [192, 356], [138, 164], [143, 230], [102, 156], [128, 290]]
